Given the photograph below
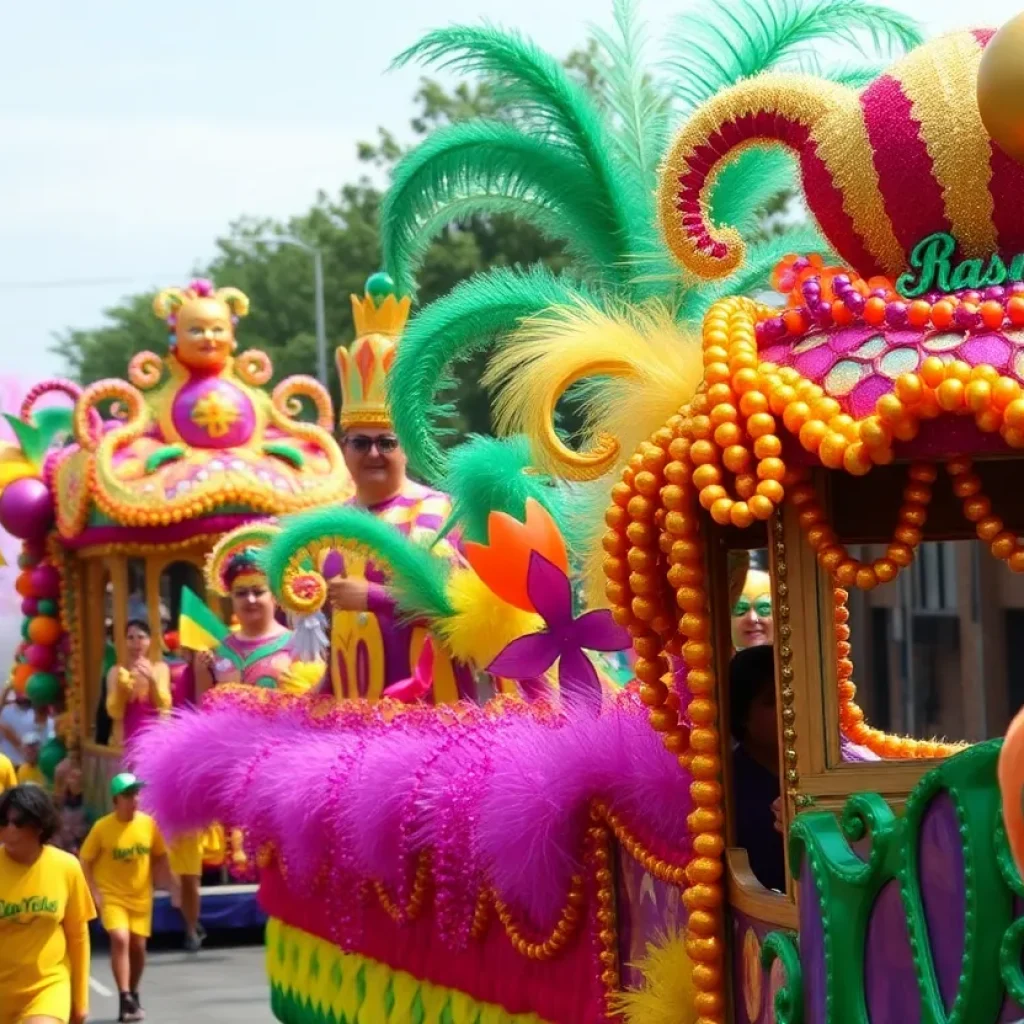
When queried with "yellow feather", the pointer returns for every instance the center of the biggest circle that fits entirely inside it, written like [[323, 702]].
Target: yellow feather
[[668, 992], [640, 367], [483, 624]]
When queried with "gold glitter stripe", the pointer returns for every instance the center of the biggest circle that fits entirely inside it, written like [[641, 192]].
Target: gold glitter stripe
[[845, 148], [940, 81]]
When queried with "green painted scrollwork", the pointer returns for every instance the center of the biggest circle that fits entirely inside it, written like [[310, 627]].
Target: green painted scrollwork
[[847, 887], [789, 1001]]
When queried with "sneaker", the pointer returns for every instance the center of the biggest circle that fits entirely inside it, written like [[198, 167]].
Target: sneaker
[[201, 932], [138, 1006], [193, 942]]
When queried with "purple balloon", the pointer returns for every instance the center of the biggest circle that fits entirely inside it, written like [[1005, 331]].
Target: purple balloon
[[45, 581], [26, 509], [40, 657], [29, 607]]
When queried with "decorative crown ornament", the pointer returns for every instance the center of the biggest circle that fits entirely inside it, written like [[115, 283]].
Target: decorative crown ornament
[[380, 318]]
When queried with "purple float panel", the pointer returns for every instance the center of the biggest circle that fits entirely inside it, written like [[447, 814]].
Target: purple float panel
[[812, 949], [753, 988], [940, 865], [647, 911], [890, 983]]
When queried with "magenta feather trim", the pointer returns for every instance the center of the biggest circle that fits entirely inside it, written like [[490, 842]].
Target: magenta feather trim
[[498, 799]]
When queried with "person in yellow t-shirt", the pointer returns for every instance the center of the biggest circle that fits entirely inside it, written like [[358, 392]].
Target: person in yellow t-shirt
[[45, 910], [122, 856], [29, 770], [8, 776]]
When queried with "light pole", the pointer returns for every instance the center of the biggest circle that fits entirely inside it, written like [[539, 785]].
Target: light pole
[[318, 292]]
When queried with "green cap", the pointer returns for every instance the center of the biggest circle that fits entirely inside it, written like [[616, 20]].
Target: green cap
[[124, 783]]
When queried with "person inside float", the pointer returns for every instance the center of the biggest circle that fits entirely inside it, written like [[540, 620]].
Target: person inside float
[[140, 691], [752, 620], [755, 763]]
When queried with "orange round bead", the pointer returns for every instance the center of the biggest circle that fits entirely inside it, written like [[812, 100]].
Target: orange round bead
[[942, 314], [918, 313], [1015, 310], [874, 311], [992, 314]]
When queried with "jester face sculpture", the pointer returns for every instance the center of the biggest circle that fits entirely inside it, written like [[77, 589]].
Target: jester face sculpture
[[196, 432], [204, 337]]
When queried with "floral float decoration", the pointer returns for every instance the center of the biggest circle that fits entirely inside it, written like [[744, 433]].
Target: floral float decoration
[[526, 565]]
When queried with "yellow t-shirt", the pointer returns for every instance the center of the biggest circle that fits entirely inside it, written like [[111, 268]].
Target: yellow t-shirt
[[8, 778], [121, 853], [30, 773], [40, 905]]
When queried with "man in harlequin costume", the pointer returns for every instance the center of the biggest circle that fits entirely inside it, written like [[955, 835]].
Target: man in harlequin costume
[[371, 649]]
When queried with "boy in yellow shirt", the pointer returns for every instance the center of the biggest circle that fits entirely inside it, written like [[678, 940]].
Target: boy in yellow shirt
[[45, 910], [122, 855], [8, 776], [29, 770]]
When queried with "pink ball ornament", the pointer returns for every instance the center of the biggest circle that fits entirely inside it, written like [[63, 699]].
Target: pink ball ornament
[[29, 607], [45, 581], [40, 657], [26, 509]]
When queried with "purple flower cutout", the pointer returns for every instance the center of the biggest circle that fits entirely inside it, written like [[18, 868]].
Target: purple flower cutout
[[566, 637]]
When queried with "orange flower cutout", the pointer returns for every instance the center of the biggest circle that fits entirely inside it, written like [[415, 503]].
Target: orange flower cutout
[[503, 563]]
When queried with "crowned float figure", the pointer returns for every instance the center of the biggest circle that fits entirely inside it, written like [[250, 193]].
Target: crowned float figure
[[372, 646]]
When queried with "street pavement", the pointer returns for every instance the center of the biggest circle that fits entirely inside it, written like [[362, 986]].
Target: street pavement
[[220, 985]]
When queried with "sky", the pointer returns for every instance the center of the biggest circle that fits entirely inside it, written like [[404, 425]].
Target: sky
[[132, 132]]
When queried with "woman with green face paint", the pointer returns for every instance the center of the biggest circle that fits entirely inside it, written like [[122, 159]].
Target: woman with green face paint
[[752, 623]]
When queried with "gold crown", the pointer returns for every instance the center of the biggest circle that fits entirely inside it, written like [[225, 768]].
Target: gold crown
[[380, 311], [379, 319]]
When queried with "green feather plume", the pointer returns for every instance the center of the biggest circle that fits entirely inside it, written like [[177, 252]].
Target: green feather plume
[[639, 105], [717, 43], [487, 474], [548, 107], [456, 325], [458, 172], [418, 580]]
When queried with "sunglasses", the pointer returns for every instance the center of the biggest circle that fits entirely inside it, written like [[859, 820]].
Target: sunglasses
[[762, 607], [361, 444]]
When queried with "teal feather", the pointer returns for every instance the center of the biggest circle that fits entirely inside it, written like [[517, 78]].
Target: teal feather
[[747, 184], [637, 101], [478, 160], [487, 474], [453, 327], [417, 580], [548, 106], [717, 43]]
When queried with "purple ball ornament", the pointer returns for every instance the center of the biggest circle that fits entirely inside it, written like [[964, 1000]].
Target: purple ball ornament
[[996, 293], [45, 581], [40, 657], [26, 509], [854, 302], [966, 319], [30, 607], [896, 314]]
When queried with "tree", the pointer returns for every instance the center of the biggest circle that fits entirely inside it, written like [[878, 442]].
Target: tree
[[344, 226]]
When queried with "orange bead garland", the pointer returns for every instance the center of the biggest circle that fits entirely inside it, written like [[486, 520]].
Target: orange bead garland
[[833, 555], [977, 508], [851, 717]]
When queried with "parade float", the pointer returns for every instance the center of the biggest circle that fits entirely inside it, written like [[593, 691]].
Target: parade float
[[574, 861], [119, 498]]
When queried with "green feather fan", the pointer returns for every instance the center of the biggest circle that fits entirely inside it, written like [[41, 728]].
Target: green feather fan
[[418, 580], [452, 328]]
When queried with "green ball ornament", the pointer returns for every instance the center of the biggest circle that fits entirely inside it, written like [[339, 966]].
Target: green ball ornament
[[25, 623], [50, 756], [47, 607], [43, 688], [379, 286]]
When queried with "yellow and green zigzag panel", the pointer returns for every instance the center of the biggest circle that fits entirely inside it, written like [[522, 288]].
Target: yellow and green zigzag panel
[[312, 981]]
